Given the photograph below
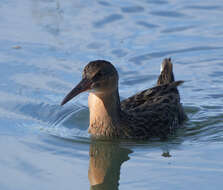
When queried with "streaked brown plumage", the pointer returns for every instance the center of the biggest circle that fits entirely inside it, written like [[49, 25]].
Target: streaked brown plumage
[[154, 112]]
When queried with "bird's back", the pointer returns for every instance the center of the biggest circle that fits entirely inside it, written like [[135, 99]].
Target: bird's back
[[156, 111]]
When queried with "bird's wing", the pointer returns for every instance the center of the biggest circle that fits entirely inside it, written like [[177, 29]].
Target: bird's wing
[[152, 96]]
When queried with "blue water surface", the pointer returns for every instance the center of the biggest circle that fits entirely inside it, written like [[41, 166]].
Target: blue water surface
[[44, 45]]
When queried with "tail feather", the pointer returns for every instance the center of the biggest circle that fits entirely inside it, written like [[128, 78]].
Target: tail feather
[[173, 86], [177, 83], [166, 72]]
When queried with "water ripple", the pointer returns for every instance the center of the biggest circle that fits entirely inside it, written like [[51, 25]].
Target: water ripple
[[170, 14], [139, 59], [133, 9], [177, 29], [204, 7], [159, 2], [146, 24], [44, 45], [107, 20]]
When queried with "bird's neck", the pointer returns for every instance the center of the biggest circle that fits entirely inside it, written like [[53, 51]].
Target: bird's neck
[[104, 112]]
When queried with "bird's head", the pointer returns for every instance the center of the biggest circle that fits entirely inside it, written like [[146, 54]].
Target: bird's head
[[98, 77]]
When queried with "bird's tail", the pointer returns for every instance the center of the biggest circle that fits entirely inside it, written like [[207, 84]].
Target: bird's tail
[[166, 72]]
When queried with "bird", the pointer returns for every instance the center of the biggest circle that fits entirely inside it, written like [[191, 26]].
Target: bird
[[153, 113]]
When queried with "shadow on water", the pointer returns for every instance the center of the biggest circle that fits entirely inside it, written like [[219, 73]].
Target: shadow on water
[[105, 165], [106, 158]]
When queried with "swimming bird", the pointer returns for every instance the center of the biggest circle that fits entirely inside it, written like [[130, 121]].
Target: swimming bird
[[154, 112]]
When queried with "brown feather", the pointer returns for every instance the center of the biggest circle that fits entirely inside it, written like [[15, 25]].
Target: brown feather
[[155, 112]]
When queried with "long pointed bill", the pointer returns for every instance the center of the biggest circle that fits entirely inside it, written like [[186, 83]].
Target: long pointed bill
[[84, 85]]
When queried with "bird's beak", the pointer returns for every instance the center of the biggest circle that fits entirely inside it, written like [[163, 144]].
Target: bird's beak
[[84, 85]]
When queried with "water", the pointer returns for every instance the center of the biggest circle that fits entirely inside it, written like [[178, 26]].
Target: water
[[44, 45]]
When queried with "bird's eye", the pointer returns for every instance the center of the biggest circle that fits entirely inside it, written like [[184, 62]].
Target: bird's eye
[[99, 74]]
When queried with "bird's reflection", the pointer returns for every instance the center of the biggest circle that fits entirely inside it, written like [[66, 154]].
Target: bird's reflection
[[105, 163]]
